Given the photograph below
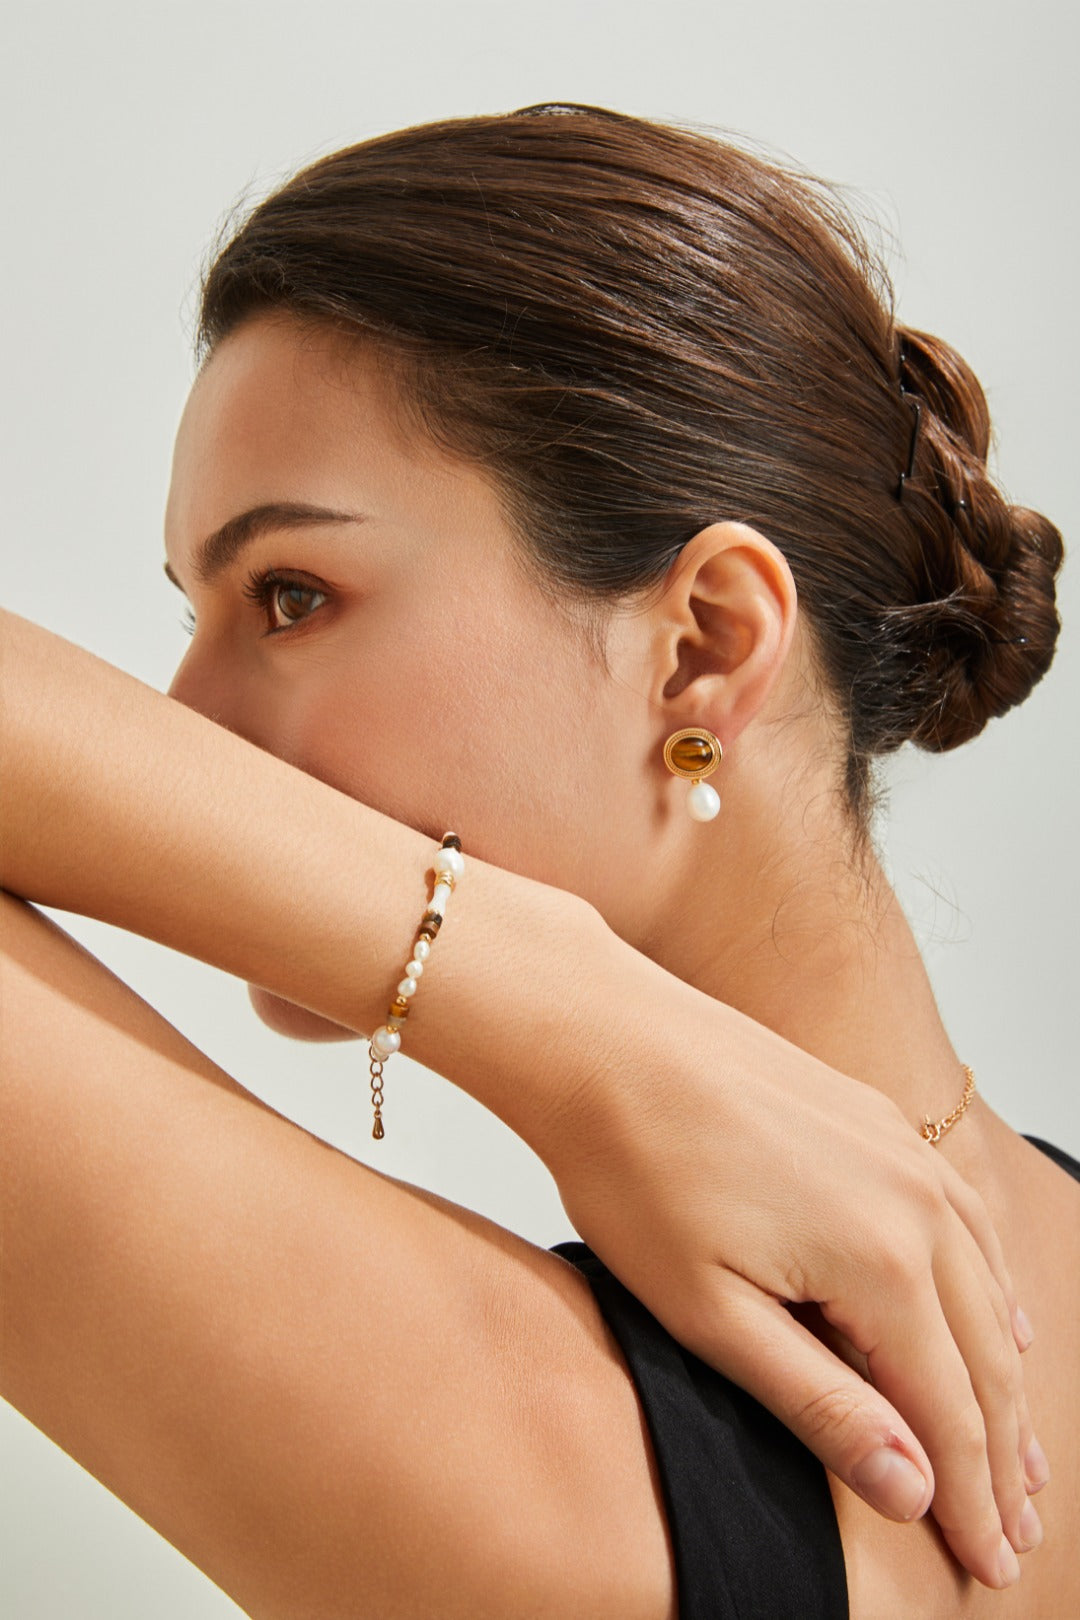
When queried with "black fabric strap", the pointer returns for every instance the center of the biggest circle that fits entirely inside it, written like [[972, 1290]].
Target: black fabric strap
[[748, 1506]]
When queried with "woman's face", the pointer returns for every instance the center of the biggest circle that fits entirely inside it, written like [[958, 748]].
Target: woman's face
[[402, 654]]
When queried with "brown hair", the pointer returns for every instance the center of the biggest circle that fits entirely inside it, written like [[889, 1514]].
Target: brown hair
[[639, 329]]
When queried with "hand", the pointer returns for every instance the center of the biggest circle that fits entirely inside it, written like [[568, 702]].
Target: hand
[[721, 1196]]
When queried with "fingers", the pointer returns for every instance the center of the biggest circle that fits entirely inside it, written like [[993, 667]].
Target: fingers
[[939, 1359], [973, 1212], [944, 1367], [975, 1216], [980, 1323], [848, 1424]]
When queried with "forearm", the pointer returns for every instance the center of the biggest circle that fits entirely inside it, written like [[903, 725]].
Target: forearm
[[121, 804]]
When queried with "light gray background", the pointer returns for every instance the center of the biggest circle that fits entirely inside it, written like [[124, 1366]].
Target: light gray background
[[130, 129]]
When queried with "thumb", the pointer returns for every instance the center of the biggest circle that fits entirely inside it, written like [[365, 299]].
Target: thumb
[[841, 1418]]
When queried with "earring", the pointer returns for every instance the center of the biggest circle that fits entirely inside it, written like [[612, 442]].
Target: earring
[[695, 753]]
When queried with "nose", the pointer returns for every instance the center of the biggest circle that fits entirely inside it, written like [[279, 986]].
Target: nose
[[185, 684], [205, 687], [215, 681]]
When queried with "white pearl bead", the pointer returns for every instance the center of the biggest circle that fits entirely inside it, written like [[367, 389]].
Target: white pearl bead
[[703, 801], [440, 898], [384, 1041], [421, 950], [407, 987], [414, 969], [450, 860]]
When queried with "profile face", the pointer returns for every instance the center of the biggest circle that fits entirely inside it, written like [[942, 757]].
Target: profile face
[[403, 654]]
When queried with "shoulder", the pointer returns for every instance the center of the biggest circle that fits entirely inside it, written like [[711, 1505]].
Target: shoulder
[[333, 1392]]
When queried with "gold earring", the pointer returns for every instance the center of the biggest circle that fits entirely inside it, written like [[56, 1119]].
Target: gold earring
[[695, 753]]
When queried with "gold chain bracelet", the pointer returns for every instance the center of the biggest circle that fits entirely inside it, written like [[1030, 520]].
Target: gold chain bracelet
[[932, 1130]]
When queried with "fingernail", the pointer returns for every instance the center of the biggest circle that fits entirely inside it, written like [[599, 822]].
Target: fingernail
[[1031, 1530], [1027, 1332], [1036, 1466], [1008, 1563], [890, 1483]]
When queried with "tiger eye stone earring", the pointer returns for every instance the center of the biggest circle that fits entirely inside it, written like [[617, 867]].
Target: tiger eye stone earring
[[695, 753]]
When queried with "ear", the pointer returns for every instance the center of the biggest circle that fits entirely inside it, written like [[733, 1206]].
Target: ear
[[720, 630]]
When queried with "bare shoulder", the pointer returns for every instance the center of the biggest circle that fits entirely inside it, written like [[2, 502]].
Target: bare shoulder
[[333, 1392]]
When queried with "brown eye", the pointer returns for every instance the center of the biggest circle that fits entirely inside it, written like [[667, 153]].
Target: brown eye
[[280, 595], [275, 592]]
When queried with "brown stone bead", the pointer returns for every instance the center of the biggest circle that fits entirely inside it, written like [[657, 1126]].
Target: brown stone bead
[[432, 921], [400, 1009], [692, 754], [451, 841]]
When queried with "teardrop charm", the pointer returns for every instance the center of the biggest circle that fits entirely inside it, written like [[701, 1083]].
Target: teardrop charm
[[703, 802]]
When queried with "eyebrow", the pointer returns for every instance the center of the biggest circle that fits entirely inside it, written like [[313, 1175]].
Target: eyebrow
[[221, 548]]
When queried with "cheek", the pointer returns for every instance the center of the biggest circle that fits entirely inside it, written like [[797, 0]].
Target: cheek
[[489, 723]]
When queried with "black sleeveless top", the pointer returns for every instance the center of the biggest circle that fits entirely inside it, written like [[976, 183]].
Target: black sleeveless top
[[752, 1523]]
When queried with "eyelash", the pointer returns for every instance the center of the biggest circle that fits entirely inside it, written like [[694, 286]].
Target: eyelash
[[259, 588]]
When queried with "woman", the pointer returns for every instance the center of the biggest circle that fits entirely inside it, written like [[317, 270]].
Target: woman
[[520, 447]]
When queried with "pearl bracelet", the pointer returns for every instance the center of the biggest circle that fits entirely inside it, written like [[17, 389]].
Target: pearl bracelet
[[449, 866]]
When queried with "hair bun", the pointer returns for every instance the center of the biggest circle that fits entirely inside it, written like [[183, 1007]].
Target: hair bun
[[985, 630]]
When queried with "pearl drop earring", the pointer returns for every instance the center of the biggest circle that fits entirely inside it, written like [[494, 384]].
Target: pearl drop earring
[[695, 753]]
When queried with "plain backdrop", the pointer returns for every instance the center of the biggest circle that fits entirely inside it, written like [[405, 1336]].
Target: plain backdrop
[[130, 130]]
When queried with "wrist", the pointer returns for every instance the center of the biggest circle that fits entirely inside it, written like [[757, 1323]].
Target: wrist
[[508, 1005]]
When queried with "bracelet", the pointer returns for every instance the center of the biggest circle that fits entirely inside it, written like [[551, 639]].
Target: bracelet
[[449, 866]]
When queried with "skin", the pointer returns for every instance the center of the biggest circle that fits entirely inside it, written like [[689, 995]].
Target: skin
[[421, 627], [421, 670]]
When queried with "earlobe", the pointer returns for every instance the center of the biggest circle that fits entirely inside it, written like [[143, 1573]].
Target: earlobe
[[723, 628]]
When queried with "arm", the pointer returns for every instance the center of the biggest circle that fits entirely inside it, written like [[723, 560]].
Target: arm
[[336, 1394], [123, 805]]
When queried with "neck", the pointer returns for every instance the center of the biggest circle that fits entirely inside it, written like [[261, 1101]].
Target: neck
[[814, 944]]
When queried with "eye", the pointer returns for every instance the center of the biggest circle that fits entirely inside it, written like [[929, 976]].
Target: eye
[[268, 590], [272, 590]]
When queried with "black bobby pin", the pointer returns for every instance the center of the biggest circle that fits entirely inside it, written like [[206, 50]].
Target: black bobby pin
[[916, 407], [910, 468]]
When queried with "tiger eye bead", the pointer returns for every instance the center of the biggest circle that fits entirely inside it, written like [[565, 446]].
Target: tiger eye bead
[[692, 754], [400, 1008], [432, 922]]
